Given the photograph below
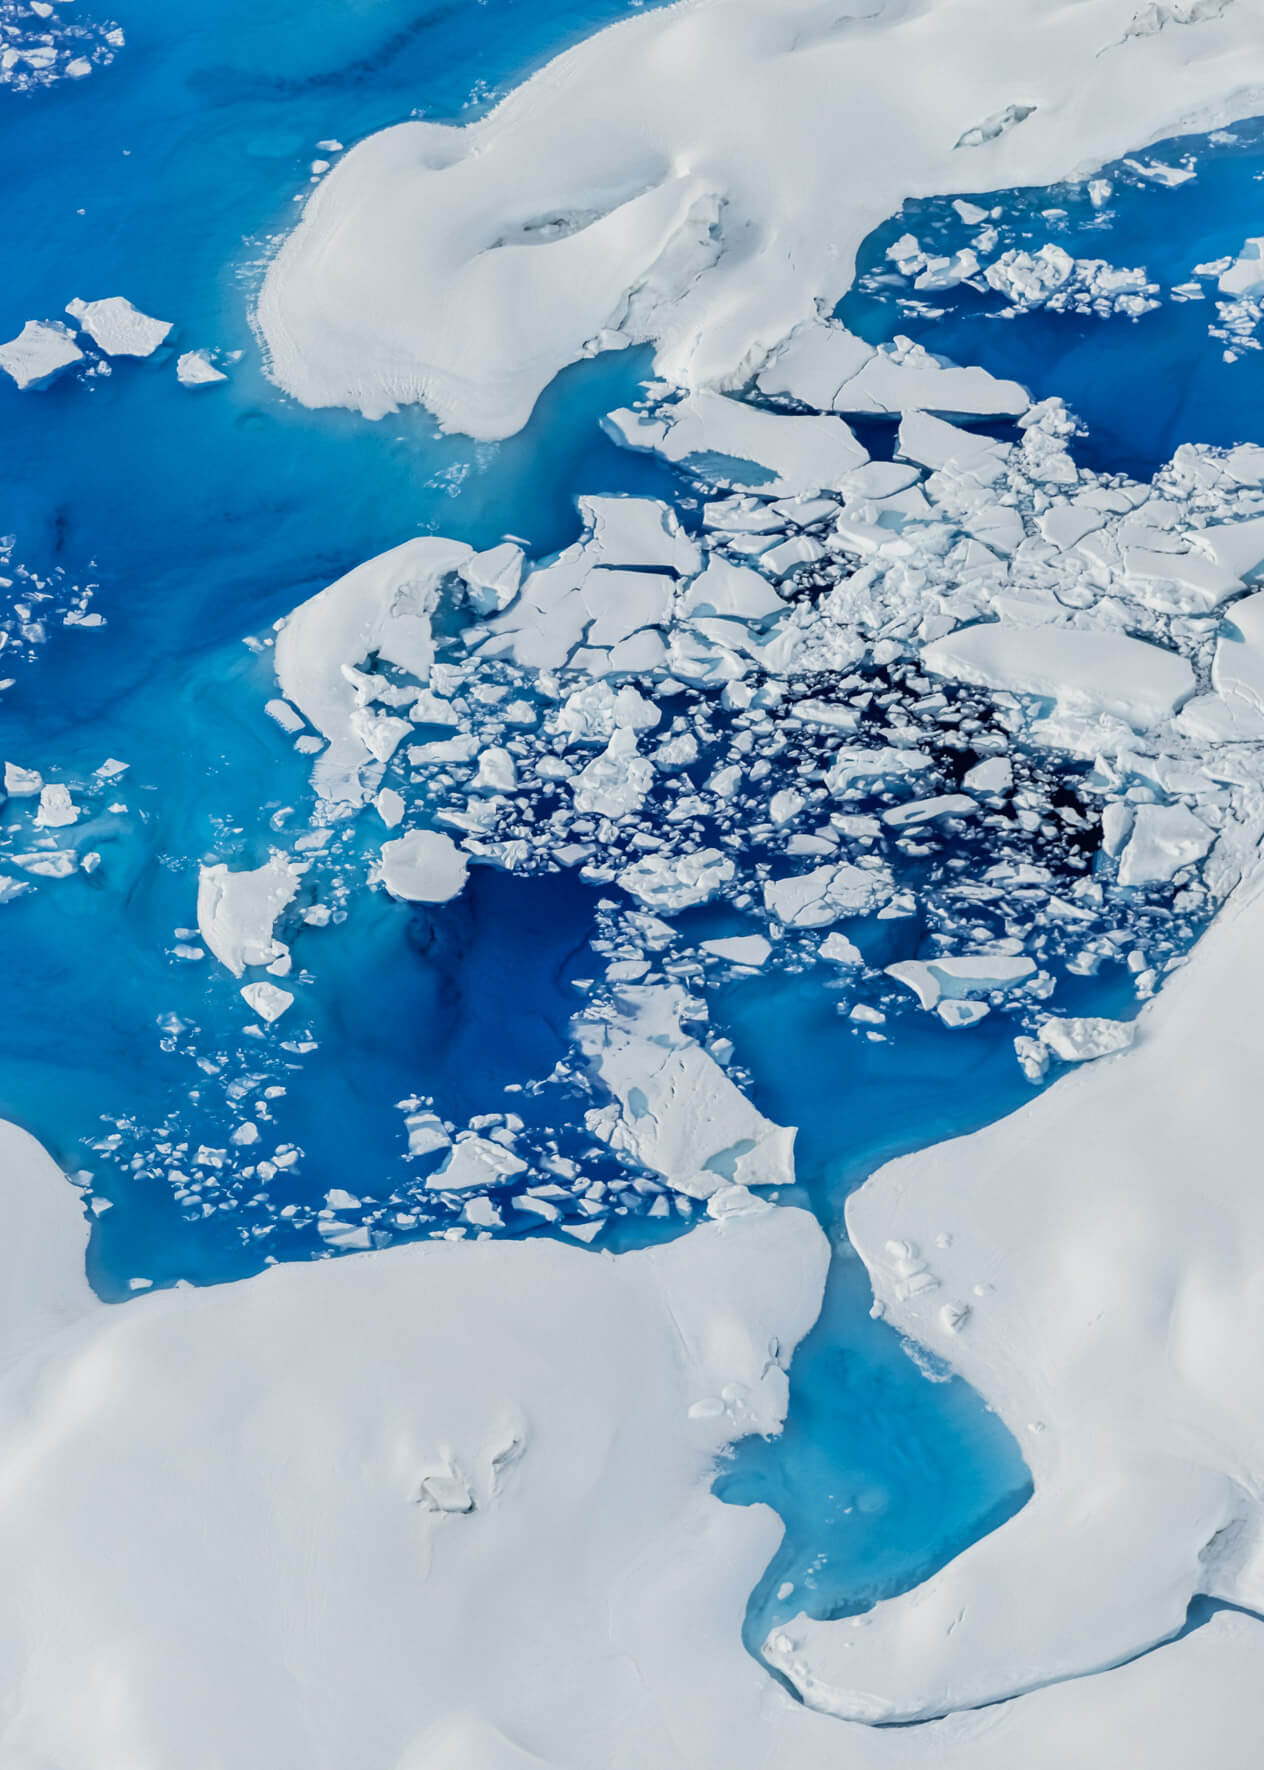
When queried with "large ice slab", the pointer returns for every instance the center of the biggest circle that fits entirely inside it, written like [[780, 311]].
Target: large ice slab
[[383, 608], [826, 367], [119, 328], [1090, 670]]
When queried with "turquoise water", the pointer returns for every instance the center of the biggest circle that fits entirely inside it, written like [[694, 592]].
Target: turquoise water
[[197, 519]]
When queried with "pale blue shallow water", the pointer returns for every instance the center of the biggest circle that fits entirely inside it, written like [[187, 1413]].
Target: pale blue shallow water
[[203, 517]]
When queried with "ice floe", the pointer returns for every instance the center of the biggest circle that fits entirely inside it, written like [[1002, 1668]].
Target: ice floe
[[237, 910], [195, 369], [424, 866], [41, 350], [117, 327]]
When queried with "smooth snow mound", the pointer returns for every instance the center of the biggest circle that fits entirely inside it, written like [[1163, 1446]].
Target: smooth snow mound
[[701, 177]]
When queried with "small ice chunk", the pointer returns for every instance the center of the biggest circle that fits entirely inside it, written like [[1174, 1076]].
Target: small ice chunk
[[1116, 825], [615, 783], [195, 369], [56, 808], [268, 1001], [798, 454], [426, 1133], [483, 1213], [995, 775], [1080, 1040], [21, 783], [593, 712], [48, 863], [424, 866], [841, 951], [1033, 1058], [785, 805], [956, 977], [958, 1014], [640, 532], [497, 771], [731, 592], [236, 910], [42, 349], [1086, 669], [921, 811], [1245, 276], [389, 806], [119, 328], [284, 715], [446, 1490], [675, 882], [855, 764], [740, 949]]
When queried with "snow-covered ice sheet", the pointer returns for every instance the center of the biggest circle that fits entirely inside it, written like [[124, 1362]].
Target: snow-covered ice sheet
[[456, 1501], [1091, 1265], [694, 178]]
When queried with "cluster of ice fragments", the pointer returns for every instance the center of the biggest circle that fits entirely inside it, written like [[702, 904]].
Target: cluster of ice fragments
[[31, 602], [55, 830], [975, 693], [44, 348], [41, 42]]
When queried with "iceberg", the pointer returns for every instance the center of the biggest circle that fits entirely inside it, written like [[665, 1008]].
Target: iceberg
[[41, 350], [119, 328]]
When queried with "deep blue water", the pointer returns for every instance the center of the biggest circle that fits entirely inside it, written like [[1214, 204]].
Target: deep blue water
[[202, 517]]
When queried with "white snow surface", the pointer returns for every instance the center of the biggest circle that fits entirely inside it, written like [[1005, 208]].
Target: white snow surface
[[297, 1452], [1113, 1307], [701, 177]]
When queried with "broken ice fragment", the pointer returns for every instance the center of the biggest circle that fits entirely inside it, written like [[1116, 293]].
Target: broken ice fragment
[[268, 1001], [195, 369]]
